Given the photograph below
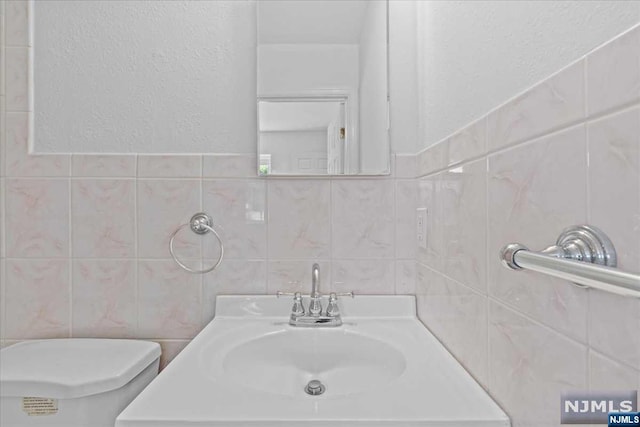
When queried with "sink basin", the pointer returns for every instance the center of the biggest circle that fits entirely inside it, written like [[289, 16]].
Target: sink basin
[[249, 367], [284, 362]]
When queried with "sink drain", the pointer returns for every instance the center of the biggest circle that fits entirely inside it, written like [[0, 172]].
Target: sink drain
[[314, 388]]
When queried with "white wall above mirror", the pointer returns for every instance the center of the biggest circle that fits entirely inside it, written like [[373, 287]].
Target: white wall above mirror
[[322, 77]]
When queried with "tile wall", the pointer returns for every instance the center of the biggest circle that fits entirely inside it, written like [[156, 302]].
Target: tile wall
[[84, 247], [565, 152]]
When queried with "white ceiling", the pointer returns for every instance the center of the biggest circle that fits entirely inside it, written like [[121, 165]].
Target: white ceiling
[[296, 116], [310, 21]]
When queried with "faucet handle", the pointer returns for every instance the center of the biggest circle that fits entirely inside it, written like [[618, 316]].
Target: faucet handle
[[344, 294], [332, 308], [298, 307]]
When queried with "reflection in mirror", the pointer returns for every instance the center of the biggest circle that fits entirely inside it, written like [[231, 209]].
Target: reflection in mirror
[[322, 88]]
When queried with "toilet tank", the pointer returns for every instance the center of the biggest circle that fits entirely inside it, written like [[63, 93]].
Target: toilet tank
[[73, 382]]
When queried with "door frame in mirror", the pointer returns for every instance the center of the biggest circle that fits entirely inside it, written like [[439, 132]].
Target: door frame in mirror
[[350, 97]]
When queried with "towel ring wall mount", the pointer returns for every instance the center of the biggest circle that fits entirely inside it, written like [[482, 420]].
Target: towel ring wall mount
[[201, 224]]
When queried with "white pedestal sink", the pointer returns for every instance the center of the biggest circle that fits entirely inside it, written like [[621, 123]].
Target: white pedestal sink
[[249, 367]]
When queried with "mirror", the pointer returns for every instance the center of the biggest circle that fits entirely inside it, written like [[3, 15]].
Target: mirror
[[323, 87]]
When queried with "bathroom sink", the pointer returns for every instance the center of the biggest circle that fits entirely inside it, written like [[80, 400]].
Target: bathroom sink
[[283, 362], [250, 367]]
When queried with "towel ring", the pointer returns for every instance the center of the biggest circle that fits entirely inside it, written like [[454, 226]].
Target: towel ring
[[200, 223]]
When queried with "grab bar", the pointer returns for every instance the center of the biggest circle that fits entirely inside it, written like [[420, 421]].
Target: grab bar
[[582, 254]]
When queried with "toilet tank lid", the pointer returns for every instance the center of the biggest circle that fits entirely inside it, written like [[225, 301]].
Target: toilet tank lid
[[70, 368]]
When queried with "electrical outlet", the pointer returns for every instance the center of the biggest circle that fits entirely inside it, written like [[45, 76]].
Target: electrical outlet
[[421, 227]]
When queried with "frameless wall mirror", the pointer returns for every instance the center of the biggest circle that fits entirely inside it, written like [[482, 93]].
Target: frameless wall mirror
[[323, 87]]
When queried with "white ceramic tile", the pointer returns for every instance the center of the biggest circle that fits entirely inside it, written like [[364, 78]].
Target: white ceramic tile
[[230, 166], [295, 276], [613, 73], [530, 366], [555, 102], [16, 78], [614, 322], [235, 277], [458, 317], [606, 374], [405, 277], [299, 218], [368, 276], [531, 200], [406, 203], [614, 183], [406, 165], [103, 165], [37, 299], [169, 166], [104, 298], [433, 158], [362, 218], [16, 23], [37, 218], [163, 206], [463, 222], [428, 197], [239, 208], [103, 218], [170, 349], [19, 162], [169, 300], [468, 143]]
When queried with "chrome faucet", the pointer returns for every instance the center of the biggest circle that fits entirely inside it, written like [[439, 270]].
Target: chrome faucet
[[314, 316]]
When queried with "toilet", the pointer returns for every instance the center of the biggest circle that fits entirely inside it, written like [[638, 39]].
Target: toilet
[[73, 382]]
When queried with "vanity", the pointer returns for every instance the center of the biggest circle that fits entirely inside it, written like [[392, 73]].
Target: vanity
[[250, 367]]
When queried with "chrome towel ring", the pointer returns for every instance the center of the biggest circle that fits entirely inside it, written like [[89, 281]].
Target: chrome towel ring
[[200, 223]]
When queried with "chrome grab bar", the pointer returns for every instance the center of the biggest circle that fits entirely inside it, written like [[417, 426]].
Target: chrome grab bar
[[582, 254]]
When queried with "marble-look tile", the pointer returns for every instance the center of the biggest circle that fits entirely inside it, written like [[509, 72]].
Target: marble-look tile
[[239, 208], [530, 366], [163, 206], [433, 158], [606, 374], [230, 166], [19, 162], [299, 218], [169, 166], [3, 120], [235, 277], [362, 218], [103, 218], [406, 165], [3, 215], [367, 276], [614, 183], [16, 78], [457, 315], [556, 102], [16, 21], [614, 322], [169, 301], [429, 198], [405, 277], [406, 203], [463, 222], [613, 73], [530, 201], [37, 299], [103, 165], [295, 275], [468, 143], [37, 218], [104, 298], [170, 349]]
